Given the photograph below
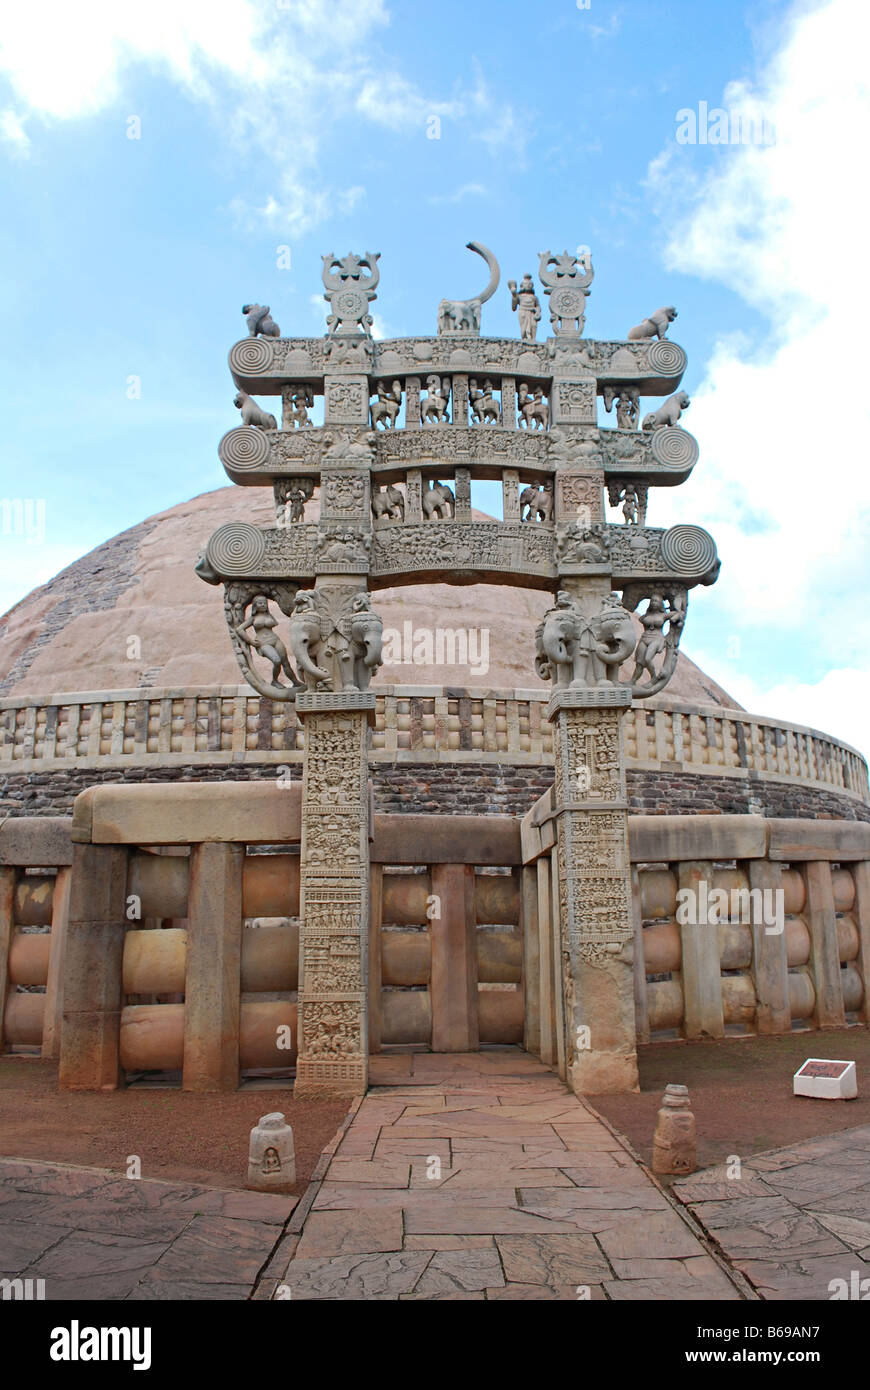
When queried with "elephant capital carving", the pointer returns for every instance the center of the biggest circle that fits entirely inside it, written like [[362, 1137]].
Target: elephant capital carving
[[575, 650], [336, 641]]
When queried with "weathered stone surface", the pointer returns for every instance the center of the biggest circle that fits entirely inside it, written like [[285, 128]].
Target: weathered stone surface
[[655, 1235], [329, 1233], [95, 1265], [356, 1276], [666, 839], [27, 841], [792, 840], [458, 1271], [552, 1259], [167, 814], [755, 1227]]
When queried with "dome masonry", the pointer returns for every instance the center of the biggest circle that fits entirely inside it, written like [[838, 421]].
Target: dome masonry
[[74, 633]]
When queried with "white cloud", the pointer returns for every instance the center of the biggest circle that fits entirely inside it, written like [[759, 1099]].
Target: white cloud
[[783, 481], [12, 132], [468, 190]]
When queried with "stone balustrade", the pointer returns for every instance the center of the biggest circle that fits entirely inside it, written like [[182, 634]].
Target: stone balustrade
[[414, 724], [692, 979]]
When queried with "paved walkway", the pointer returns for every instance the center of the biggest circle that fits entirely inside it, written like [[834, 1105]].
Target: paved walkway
[[481, 1176], [797, 1219], [90, 1234]]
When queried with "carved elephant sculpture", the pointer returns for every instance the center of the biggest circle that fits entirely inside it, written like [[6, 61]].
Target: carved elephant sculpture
[[438, 502], [536, 504], [366, 636], [463, 315], [578, 651], [306, 640], [389, 502]]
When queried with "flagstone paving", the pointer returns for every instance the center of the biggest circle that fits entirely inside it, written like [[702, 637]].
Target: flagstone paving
[[797, 1218], [90, 1234], [481, 1177]]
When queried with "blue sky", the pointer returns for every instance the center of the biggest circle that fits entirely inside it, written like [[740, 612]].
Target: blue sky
[[304, 124]]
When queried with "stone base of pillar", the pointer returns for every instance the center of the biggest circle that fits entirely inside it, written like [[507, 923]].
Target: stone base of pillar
[[322, 1080]]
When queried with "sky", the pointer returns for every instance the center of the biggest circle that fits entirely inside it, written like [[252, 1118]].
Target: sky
[[163, 164]]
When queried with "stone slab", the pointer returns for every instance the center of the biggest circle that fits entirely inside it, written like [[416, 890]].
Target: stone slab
[[181, 813], [30, 841], [358, 1277], [329, 1233], [482, 840], [667, 839], [839, 840], [552, 1259]]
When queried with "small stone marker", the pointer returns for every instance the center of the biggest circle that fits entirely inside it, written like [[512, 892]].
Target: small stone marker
[[674, 1138], [272, 1157], [826, 1079]]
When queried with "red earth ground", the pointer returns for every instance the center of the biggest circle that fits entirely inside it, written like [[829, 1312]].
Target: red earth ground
[[741, 1092], [179, 1135]]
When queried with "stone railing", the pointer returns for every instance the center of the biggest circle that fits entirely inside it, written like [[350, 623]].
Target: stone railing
[[785, 945], [414, 724]]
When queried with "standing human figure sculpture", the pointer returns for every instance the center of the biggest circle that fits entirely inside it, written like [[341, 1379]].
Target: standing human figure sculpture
[[629, 506], [652, 641], [265, 640], [627, 409], [527, 307]]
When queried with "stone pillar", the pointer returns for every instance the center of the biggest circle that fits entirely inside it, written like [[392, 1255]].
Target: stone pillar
[[594, 889], [334, 895], [453, 984], [545, 957], [375, 962], [212, 1000], [7, 926], [821, 918], [92, 987], [531, 960], [861, 915], [510, 491], [702, 976], [54, 985], [769, 955], [462, 493]]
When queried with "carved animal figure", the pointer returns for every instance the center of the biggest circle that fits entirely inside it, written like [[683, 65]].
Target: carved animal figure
[[438, 502], [389, 502], [668, 413], [260, 321], [387, 405], [366, 637], [433, 407], [534, 411], [305, 638], [656, 326], [539, 502], [578, 651], [252, 414], [463, 315], [485, 409]]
